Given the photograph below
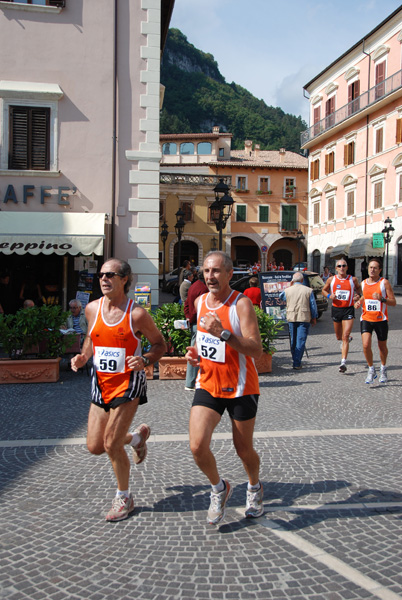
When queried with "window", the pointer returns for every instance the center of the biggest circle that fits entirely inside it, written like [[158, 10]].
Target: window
[[399, 131], [329, 163], [187, 208], [263, 213], [204, 148], [378, 194], [289, 218], [353, 97], [316, 213], [187, 148], [290, 188], [349, 154], [331, 208], [29, 139], [221, 152], [330, 112], [263, 184], [161, 210], [350, 203], [379, 79], [379, 140], [315, 169], [169, 148], [241, 212], [241, 183]]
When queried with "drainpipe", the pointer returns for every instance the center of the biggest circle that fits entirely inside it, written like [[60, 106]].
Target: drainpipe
[[367, 145], [114, 134]]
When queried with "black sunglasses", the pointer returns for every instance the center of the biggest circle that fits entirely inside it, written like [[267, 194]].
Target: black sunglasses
[[341, 266], [108, 275]]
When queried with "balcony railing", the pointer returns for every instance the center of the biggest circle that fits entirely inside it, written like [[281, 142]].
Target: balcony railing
[[195, 180], [291, 227], [373, 95]]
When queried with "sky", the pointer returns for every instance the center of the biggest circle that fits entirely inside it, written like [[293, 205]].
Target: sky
[[274, 47]]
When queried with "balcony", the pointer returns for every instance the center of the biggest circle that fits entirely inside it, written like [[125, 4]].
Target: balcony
[[356, 106], [193, 180], [290, 227]]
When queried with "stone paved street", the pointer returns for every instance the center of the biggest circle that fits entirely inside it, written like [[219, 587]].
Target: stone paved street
[[330, 447]]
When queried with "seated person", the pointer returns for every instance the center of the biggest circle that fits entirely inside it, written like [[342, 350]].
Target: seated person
[[76, 319]]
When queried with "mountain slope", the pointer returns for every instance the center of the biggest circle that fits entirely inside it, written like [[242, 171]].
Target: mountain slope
[[197, 97]]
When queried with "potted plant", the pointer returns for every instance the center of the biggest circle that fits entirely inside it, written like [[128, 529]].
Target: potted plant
[[173, 365], [33, 343], [269, 329]]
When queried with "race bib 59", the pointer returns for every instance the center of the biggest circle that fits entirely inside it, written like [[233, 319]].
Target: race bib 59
[[110, 360]]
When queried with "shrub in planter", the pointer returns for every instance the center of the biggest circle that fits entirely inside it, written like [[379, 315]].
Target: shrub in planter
[[269, 329], [176, 340]]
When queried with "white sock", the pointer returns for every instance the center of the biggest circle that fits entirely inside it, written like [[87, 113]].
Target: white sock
[[371, 369], [124, 493], [219, 487], [135, 440], [343, 361], [383, 367], [254, 488]]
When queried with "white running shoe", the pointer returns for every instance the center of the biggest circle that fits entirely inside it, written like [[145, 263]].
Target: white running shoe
[[255, 506], [217, 508], [383, 375], [371, 375]]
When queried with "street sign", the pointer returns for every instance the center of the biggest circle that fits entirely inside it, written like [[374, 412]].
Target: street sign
[[378, 240], [264, 249]]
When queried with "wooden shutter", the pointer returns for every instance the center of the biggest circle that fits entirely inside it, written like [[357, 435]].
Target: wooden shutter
[[29, 146], [18, 148], [379, 78], [379, 139], [330, 209], [399, 131], [378, 195]]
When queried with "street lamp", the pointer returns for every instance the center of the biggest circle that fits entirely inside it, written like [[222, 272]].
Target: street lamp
[[164, 236], [300, 238], [388, 232], [179, 227], [221, 209]]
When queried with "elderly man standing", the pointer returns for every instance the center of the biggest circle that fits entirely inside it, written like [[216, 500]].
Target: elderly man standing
[[301, 310]]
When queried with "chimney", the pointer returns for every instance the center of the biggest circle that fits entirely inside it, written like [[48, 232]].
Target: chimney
[[282, 154], [256, 150], [248, 144], [215, 129]]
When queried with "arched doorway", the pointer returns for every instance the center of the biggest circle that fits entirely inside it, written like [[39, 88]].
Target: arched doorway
[[189, 251], [244, 251], [316, 261], [284, 256]]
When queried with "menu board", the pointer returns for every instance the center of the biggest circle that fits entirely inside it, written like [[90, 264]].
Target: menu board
[[272, 284]]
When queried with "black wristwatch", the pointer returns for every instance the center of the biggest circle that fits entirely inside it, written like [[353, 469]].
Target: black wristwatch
[[225, 335], [146, 360]]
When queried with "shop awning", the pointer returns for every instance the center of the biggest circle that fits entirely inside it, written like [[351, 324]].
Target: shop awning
[[51, 233], [362, 247], [340, 250]]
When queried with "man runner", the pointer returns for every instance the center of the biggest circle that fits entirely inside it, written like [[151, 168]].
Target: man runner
[[343, 290], [377, 296], [228, 340], [115, 326]]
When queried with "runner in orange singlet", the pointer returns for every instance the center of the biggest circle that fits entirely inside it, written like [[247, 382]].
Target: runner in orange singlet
[[228, 341], [115, 326], [377, 296], [343, 290]]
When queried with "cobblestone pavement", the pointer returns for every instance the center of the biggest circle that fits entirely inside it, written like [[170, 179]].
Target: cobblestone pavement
[[330, 447]]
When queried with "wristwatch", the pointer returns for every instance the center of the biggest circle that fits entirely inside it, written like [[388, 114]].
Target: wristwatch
[[146, 360], [225, 335]]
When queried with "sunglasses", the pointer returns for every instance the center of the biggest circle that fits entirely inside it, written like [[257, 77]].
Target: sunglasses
[[341, 266], [108, 275]]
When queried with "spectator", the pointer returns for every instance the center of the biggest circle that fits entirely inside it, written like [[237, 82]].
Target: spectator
[[326, 274], [254, 292], [186, 267], [76, 319], [188, 277], [28, 303]]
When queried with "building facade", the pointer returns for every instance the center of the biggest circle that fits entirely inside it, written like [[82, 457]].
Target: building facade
[[355, 152], [270, 190], [79, 155]]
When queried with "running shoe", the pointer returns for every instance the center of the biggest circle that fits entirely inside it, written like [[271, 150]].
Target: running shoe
[[217, 507], [189, 389], [140, 451], [254, 505], [371, 375], [343, 368], [383, 376], [121, 508]]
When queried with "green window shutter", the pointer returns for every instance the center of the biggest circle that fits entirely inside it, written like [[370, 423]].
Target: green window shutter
[[289, 222], [264, 214], [240, 213]]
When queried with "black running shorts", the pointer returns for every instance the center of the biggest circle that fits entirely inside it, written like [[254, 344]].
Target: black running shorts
[[342, 314], [380, 327], [239, 409]]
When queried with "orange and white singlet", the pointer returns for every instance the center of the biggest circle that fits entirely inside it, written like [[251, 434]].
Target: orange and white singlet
[[112, 344], [374, 310], [224, 372], [344, 290]]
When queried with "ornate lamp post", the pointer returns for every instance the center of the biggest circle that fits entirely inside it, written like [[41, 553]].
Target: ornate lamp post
[[179, 228], [300, 238], [221, 209], [388, 232], [164, 236]]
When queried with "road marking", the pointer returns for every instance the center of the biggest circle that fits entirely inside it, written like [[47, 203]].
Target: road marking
[[340, 567], [184, 437]]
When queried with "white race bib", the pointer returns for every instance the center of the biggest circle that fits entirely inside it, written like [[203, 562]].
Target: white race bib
[[372, 305], [210, 347], [110, 360], [342, 295]]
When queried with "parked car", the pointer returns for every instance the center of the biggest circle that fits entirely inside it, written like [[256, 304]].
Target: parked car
[[301, 266], [310, 279]]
